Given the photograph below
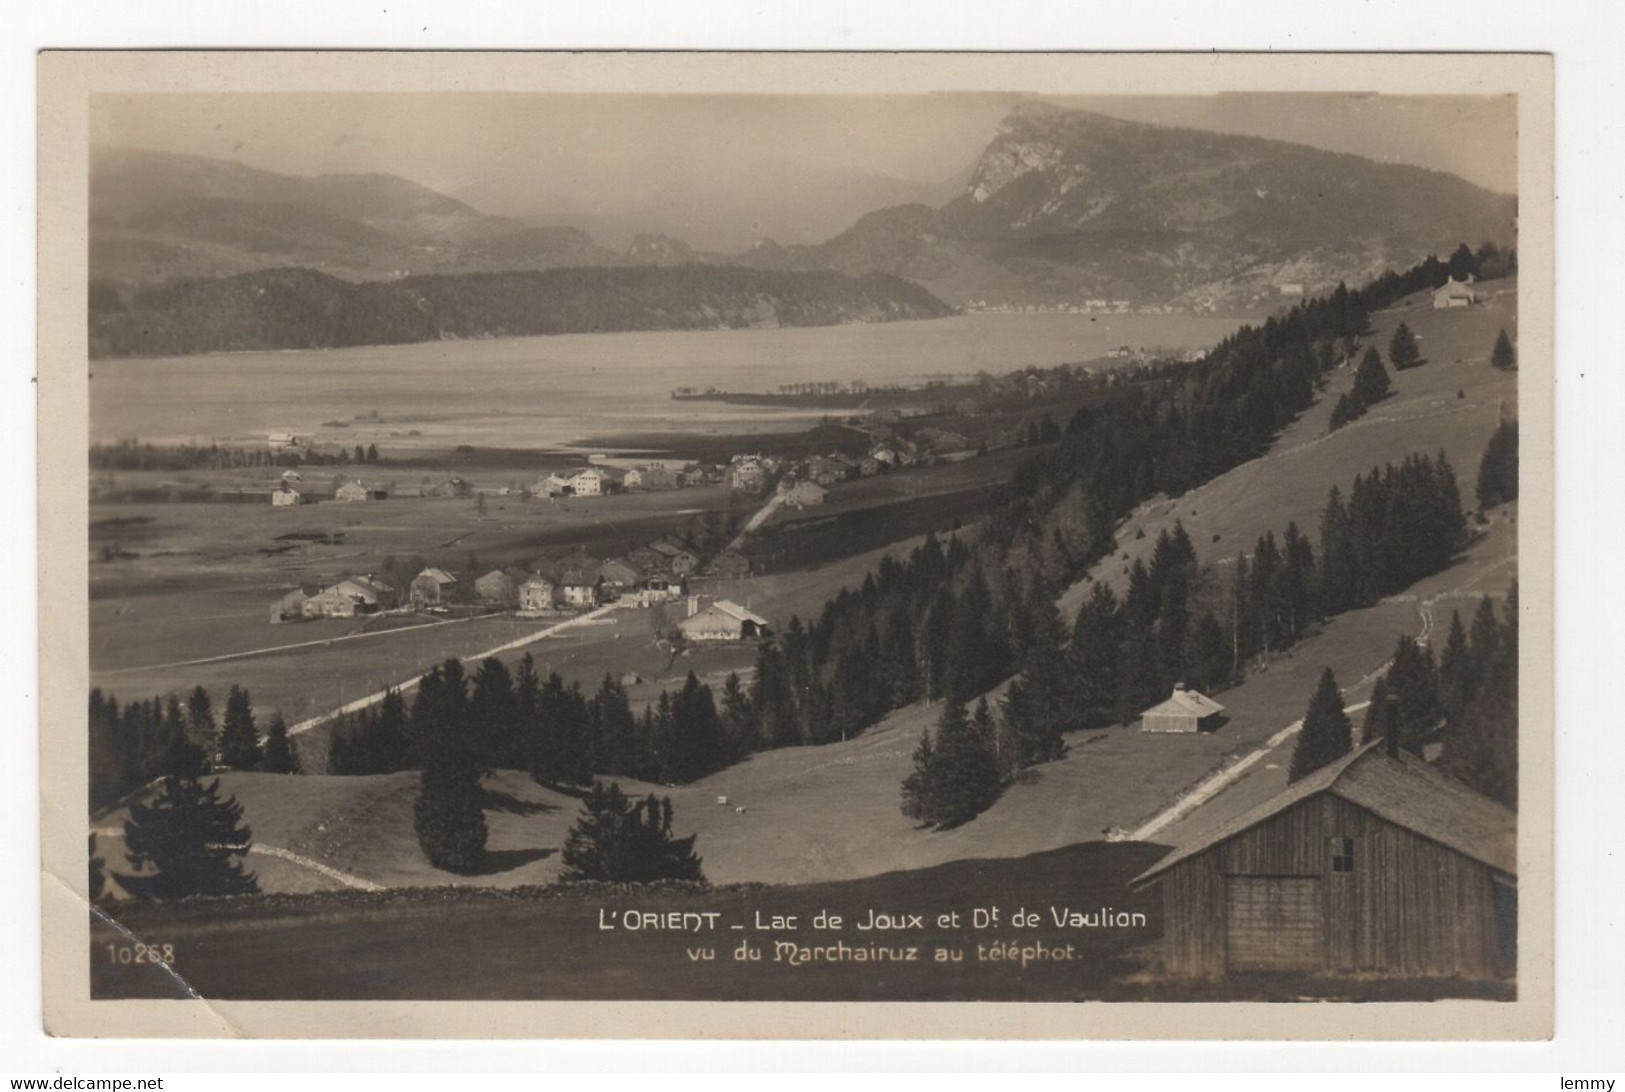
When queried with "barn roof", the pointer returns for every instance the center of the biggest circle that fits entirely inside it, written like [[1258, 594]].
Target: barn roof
[[439, 576], [1191, 702], [1405, 791], [734, 610]]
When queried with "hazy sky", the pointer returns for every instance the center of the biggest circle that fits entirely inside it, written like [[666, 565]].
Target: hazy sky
[[603, 153]]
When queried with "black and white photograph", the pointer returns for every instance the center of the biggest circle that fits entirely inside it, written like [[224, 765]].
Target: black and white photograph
[[1033, 542]]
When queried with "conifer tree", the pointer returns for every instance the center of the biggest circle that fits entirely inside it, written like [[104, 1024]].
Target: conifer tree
[[1456, 674], [616, 840], [1094, 654], [1327, 734], [738, 716], [239, 738], [1139, 671], [280, 756], [200, 721], [918, 786], [1403, 350], [1502, 356], [187, 841], [957, 777], [1498, 469], [1371, 383], [696, 737], [1207, 655], [449, 816], [1044, 705], [1413, 679]]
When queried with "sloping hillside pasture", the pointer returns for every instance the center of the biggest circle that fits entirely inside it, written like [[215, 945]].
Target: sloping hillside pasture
[[1422, 415], [816, 814]]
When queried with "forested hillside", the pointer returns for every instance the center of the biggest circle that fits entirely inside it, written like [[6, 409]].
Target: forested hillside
[[304, 309]]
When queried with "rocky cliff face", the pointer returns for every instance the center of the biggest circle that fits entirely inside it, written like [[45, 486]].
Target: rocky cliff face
[[1066, 205]]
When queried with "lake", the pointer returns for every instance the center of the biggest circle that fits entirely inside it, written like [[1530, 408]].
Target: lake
[[537, 392]]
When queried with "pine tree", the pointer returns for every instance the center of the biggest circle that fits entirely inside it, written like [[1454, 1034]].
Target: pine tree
[[1498, 469], [239, 738], [1139, 671], [187, 842], [372, 453], [957, 777], [1403, 350], [1371, 383], [1044, 706], [696, 736], [1413, 679], [1373, 724], [615, 840], [1207, 655], [918, 787], [449, 816], [1502, 356], [1094, 654], [280, 756], [1327, 734], [200, 721], [1456, 671]]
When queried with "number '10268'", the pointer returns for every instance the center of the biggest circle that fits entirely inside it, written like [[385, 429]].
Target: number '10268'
[[140, 953]]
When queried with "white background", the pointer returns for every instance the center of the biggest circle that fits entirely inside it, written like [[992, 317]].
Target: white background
[[1586, 38]]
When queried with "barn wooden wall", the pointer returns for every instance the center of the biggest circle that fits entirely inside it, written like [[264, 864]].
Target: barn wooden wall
[[1410, 907]]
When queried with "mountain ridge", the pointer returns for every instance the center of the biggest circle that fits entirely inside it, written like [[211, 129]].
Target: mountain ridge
[[1062, 206]]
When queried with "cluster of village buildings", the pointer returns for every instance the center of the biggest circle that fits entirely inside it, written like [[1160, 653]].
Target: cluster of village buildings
[[655, 573], [809, 478]]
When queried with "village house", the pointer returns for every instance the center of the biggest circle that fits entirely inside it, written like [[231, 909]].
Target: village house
[[723, 620], [1185, 710], [431, 587], [1377, 864], [747, 477], [678, 560], [348, 598], [805, 493], [536, 594], [351, 492], [656, 589], [1454, 293], [729, 565], [651, 477], [647, 560], [285, 496], [591, 482], [291, 607], [579, 593], [551, 486], [620, 575], [454, 487], [497, 589]]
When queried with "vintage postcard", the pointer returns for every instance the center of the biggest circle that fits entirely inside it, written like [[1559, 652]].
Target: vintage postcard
[[826, 545]]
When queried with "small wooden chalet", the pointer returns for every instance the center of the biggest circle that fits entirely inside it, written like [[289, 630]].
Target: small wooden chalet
[[1376, 865], [723, 620], [1185, 710]]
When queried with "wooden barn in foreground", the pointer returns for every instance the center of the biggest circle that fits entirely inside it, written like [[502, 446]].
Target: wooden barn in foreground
[[1377, 864]]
